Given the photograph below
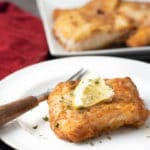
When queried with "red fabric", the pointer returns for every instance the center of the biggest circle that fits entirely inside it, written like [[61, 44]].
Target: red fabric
[[22, 39]]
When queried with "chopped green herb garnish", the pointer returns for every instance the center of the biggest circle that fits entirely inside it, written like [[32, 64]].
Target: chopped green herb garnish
[[96, 82], [148, 136], [71, 94], [100, 141], [62, 97], [35, 127], [68, 106], [91, 143], [45, 118], [109, 137]]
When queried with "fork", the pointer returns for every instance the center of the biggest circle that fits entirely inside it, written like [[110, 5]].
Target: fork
[[16, 108]]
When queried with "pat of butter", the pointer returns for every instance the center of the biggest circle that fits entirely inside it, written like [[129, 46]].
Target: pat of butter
[[91, 90]]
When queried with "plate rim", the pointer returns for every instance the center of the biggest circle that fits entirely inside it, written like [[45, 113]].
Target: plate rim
[[63, 59], [72, 57]]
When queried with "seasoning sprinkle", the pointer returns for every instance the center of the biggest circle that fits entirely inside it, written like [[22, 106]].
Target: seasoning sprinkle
[[109, 137], [71, 94], [45, 118], [35, 127], [99, 11], [56, 125], [91, 143], [96, 82], [148, 136], [100, 141]]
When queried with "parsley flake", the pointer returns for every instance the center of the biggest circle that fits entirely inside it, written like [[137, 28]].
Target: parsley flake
[[109, 137], [35, 127], [91, 143], [45, 118]]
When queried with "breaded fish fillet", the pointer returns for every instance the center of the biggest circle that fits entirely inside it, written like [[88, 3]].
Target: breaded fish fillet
[[142, 36], [95, 6], [80, 29], [76, 125], [137, 11]]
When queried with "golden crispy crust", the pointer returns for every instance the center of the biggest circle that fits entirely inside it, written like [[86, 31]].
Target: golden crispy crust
[[140, 14], [142, 36], [100, 6], [80, 29], [95, 7], [78, 26], [95, 41], [76, 31], [126, 108], [136, 11]]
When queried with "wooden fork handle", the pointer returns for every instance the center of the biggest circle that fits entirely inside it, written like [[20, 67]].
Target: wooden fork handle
[[14, 109]]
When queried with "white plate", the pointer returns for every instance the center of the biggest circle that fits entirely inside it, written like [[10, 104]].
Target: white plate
[[46, 8], [37, 78]]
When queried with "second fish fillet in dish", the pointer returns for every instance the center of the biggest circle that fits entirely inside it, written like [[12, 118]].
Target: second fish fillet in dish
[[126, 108], [100, 24], [80, 29]]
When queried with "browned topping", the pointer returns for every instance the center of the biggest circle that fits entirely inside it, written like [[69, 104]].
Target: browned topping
[[99, 11], [96, 82], [57, 125], [62, 97]]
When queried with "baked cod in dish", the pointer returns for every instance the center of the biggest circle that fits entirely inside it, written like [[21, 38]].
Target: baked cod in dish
[[125, 108], [139, 13], [80, 30], [99, 24]]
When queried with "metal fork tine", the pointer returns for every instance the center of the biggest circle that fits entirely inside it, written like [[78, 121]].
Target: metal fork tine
[[78, 75], [75, 75], [81, 75]]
